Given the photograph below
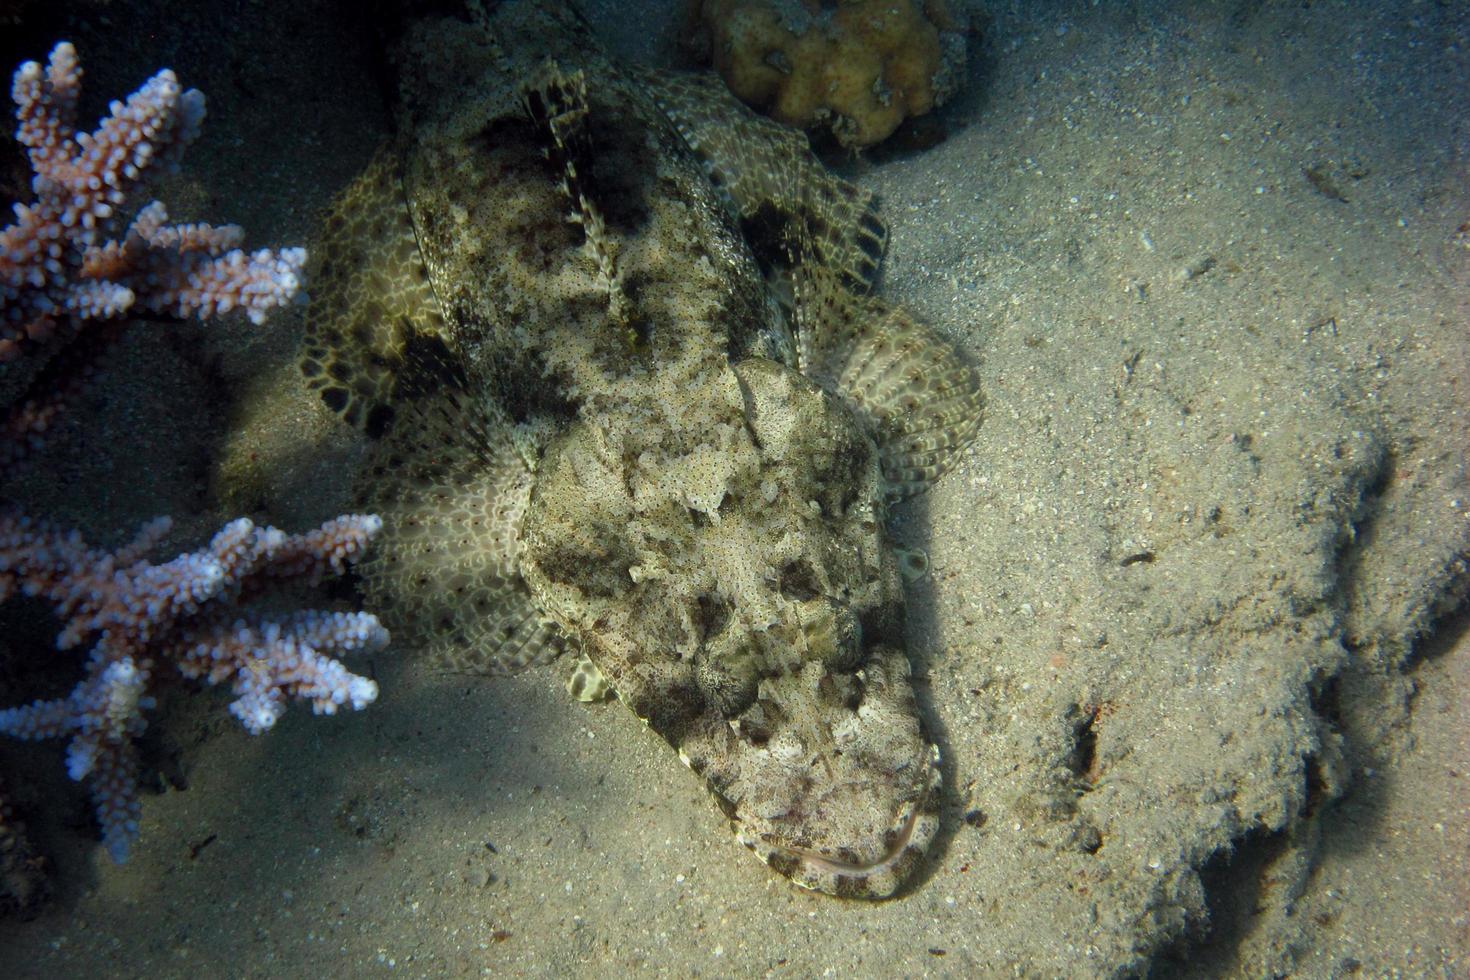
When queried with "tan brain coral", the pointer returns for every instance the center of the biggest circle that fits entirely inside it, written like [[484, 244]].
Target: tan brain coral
[[860, 67]]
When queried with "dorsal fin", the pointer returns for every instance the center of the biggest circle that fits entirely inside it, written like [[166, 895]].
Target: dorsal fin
[[767, 174], [919, 396], [370, 297], [557, 101]]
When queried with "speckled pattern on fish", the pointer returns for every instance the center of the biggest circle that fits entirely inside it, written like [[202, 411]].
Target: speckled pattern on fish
[[615, 338]]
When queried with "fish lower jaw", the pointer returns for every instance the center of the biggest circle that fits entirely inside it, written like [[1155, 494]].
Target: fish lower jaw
[[913, 830]]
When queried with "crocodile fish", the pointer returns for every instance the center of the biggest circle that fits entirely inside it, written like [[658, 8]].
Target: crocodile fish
[[630, 391]]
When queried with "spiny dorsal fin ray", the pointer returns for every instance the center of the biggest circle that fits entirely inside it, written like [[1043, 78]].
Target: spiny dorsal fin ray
[[452, 488], [920, 397], [767, 173], [557, 101], [370, 297]]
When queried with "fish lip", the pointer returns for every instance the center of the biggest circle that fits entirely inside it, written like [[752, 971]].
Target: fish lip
[[914, 830], [905, 831]]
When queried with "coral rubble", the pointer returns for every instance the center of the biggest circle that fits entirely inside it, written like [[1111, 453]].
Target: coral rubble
[[23, 885], [860, 67]]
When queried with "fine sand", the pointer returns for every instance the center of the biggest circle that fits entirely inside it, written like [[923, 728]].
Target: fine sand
[[1190, 640]]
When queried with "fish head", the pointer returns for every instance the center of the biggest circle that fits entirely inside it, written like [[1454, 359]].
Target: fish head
[[742, 598]]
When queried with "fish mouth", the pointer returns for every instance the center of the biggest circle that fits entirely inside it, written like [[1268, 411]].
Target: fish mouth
[[830, 781], [842, 872]]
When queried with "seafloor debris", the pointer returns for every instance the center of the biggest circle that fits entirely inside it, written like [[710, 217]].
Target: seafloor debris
[[858, 67]]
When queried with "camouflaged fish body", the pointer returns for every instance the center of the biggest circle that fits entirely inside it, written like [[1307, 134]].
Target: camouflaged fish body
[[593, 429]]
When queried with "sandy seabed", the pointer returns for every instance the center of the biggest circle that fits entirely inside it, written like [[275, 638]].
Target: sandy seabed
[[1190, 642]]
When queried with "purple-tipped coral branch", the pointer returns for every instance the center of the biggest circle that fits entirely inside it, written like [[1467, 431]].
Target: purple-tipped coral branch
[[59, 268], [62, 265], [69, 269], [192, 612]]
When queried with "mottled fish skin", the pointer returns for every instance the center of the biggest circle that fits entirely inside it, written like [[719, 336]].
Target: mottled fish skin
[[750, 611], [595, 432]]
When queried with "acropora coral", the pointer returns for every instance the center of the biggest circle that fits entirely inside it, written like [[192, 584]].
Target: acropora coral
[[195, 612], [72, 276]]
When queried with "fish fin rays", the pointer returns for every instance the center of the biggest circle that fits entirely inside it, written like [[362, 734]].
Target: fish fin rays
[[371, 297], [919, 396], [771, 181], [452, 485]]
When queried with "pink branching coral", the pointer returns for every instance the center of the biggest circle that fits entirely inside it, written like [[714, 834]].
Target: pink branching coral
[[71, 275], [192, 612], [59, 268]]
